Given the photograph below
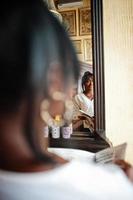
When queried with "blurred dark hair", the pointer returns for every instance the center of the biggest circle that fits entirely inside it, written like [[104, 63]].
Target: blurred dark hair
[[86, 77], [31, 38]]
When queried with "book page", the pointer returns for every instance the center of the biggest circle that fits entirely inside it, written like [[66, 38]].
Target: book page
[[85, 114], [89, 122], [112, 153]]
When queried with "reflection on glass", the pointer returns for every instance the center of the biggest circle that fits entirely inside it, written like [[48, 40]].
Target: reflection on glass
[[77, 21], [83, 115]]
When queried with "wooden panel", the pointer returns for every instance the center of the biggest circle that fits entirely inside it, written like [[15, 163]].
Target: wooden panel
[[80, 140]]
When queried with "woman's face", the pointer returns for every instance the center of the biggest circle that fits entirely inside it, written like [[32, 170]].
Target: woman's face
[[88, 85]]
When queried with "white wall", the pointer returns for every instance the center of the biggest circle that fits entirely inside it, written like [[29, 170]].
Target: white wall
[[118, 44]]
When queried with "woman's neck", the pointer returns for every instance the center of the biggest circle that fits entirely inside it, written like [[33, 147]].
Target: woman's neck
[[14, 150], [15, 153], [89, 94]]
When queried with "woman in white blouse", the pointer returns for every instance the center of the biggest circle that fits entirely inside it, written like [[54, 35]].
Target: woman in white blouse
[[85, 100]]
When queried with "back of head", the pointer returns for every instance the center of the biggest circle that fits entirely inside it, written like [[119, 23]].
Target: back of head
[[33, 45]]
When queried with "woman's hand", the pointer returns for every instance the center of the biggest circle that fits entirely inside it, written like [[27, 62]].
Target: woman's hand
[[126, 167]]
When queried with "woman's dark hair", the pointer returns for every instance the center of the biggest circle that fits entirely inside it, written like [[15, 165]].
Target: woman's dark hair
[[31, 38], [86, 77]]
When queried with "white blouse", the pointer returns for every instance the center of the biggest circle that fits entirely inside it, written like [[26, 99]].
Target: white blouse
[[74, 180], [84, 103]]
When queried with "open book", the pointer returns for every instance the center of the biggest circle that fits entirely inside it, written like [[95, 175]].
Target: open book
[[105, 156], [89, 122], [110, 154], [85, 114]]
